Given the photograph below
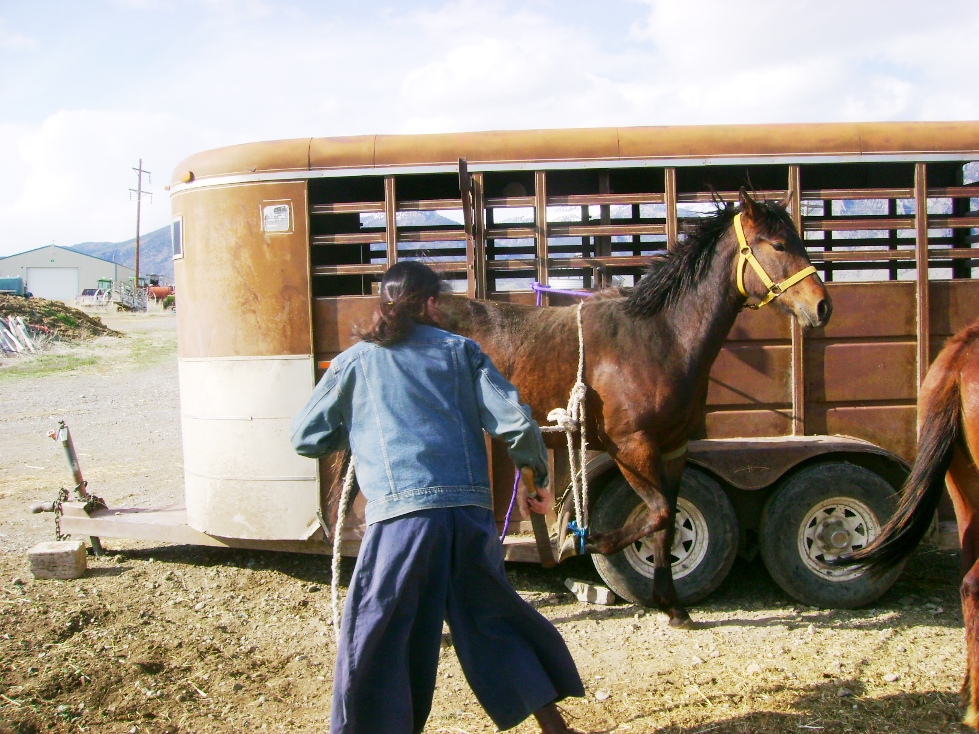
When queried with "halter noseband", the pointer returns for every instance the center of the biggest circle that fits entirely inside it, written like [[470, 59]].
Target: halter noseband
[[745, 256]]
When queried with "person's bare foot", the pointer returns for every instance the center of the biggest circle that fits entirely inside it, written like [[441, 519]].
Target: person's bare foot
[[551, 721]]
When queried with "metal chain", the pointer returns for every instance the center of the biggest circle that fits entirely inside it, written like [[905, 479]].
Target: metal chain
[[58, 512], [92, 502]]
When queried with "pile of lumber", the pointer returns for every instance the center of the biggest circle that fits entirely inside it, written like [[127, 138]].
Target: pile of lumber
[[14, 336]]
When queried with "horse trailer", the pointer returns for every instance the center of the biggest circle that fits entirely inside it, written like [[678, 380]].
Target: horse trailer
[[279, 247]]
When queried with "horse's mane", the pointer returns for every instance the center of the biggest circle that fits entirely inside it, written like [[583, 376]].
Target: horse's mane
[[671, 275]]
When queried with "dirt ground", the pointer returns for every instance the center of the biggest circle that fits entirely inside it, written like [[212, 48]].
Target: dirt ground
[[190, 639]]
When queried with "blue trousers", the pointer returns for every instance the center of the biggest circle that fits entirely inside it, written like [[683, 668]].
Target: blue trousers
[[412, 573]]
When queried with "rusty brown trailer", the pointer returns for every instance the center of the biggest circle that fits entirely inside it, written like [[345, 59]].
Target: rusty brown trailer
[[279, 247]]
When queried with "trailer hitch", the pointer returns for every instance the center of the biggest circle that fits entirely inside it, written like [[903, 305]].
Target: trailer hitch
[[91, 501]]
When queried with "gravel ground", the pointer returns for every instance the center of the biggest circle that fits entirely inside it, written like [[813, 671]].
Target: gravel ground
[[189, 639]]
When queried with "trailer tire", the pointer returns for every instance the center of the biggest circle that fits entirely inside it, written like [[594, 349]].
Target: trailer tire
[[704, 547], [818, 514]]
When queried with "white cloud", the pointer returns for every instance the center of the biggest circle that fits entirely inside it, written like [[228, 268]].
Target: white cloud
[[75, 175], [247, 70], [12, 40]]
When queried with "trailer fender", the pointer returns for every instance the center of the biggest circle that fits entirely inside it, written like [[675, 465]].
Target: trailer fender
[[758, 463]]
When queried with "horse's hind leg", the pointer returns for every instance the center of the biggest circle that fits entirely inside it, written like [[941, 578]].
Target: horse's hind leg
[[970, 614], [963, 487]]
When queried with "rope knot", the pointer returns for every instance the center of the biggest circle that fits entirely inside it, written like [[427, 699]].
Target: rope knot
[[581, 535], [564, 420]]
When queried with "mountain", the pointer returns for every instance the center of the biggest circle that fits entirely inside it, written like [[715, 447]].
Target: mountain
[[155, 252]]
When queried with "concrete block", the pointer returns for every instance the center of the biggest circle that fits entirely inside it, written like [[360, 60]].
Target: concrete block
[[58, 559], [590, 593]]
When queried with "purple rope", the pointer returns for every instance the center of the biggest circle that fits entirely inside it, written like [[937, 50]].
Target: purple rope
[[541, 289], [513, 501]]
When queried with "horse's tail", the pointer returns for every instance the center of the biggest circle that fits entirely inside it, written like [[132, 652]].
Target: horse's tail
[[924, 486]]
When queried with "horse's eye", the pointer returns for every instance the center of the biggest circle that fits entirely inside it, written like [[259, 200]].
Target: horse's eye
[[779, 247]]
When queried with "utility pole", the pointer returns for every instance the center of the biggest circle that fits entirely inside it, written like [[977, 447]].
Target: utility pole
[[139, 200]]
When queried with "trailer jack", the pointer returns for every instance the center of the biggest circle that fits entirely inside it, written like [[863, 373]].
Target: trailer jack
[[88, 500]]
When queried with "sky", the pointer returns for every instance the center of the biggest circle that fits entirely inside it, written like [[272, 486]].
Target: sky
[[88, 88]]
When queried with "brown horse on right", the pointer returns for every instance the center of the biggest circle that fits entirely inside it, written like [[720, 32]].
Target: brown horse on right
[[948, 450]]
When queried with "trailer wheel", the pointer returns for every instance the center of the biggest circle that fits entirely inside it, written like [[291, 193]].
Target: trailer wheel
[[818, 515], [704, 545]]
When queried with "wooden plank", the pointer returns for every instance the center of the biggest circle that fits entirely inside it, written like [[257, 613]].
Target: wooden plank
[[479, 238], [853, 194], [515, 202], [332, 321], [606, 230], [906, 254], [621, 261], [518, 232], [391, 220], [856, 224], [891, 427], [953, 305], [541, 226], [429, 205], [921, 268], [448, 234], [708, 197], [356, 207], [366, 269], [768, 324], [359, 238], [890, 303], [670, 198], [748, 423], [854, 372], [605, 199], [751, 374], [798, 340]]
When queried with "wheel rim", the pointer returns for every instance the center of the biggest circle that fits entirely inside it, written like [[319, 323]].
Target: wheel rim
[[833, 528], [690, 542]]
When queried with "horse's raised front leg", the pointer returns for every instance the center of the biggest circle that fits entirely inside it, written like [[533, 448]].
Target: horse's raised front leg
[[658, 521]]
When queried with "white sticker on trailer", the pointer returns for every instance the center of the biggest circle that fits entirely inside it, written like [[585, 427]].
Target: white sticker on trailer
[[275, 218]]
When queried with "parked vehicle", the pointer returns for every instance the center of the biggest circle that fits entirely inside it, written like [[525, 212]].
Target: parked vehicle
[[92, 297], [14, 286], [807, 435]]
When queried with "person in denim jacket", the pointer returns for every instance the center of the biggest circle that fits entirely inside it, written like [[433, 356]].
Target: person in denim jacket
[[411, 401]]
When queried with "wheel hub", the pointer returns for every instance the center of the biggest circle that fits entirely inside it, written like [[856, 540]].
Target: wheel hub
[[690, 541], [833, 536], [833, 528]]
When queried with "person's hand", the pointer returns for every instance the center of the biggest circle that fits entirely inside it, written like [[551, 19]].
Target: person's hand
[[540, 503]]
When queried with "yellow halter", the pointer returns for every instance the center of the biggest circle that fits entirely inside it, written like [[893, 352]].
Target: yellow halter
[[745, 256]]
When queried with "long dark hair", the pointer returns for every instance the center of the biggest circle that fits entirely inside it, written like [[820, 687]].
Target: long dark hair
[[405, 289]]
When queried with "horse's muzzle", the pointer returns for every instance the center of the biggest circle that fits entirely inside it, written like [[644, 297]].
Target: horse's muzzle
[[820, 315]]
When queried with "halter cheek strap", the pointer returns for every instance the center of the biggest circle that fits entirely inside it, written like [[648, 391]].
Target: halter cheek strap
[[746, 257]]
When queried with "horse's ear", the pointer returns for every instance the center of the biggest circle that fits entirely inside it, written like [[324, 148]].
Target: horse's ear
[[787, 199], [749, 208]]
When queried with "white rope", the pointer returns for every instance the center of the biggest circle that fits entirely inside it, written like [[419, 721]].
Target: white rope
[[342, 508], [570, 420]]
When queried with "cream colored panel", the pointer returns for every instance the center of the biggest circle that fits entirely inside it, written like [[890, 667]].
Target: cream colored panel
[[242, 478], [245, 387]]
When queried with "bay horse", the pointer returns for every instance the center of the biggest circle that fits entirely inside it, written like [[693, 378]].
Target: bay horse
[[948, 449], [648, 355]]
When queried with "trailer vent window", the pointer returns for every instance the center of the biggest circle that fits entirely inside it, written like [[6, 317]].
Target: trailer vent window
[[176, 237]]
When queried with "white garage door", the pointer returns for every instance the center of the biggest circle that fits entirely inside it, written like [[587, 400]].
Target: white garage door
[[56, 284]]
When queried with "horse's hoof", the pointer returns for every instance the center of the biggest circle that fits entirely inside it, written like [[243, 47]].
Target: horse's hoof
[[970, 718], [685, 623], [569, 548]]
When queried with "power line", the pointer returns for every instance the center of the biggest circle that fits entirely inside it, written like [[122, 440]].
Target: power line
[[139, 200]]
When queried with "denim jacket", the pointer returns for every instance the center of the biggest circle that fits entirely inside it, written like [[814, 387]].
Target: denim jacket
[[413, 415]]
